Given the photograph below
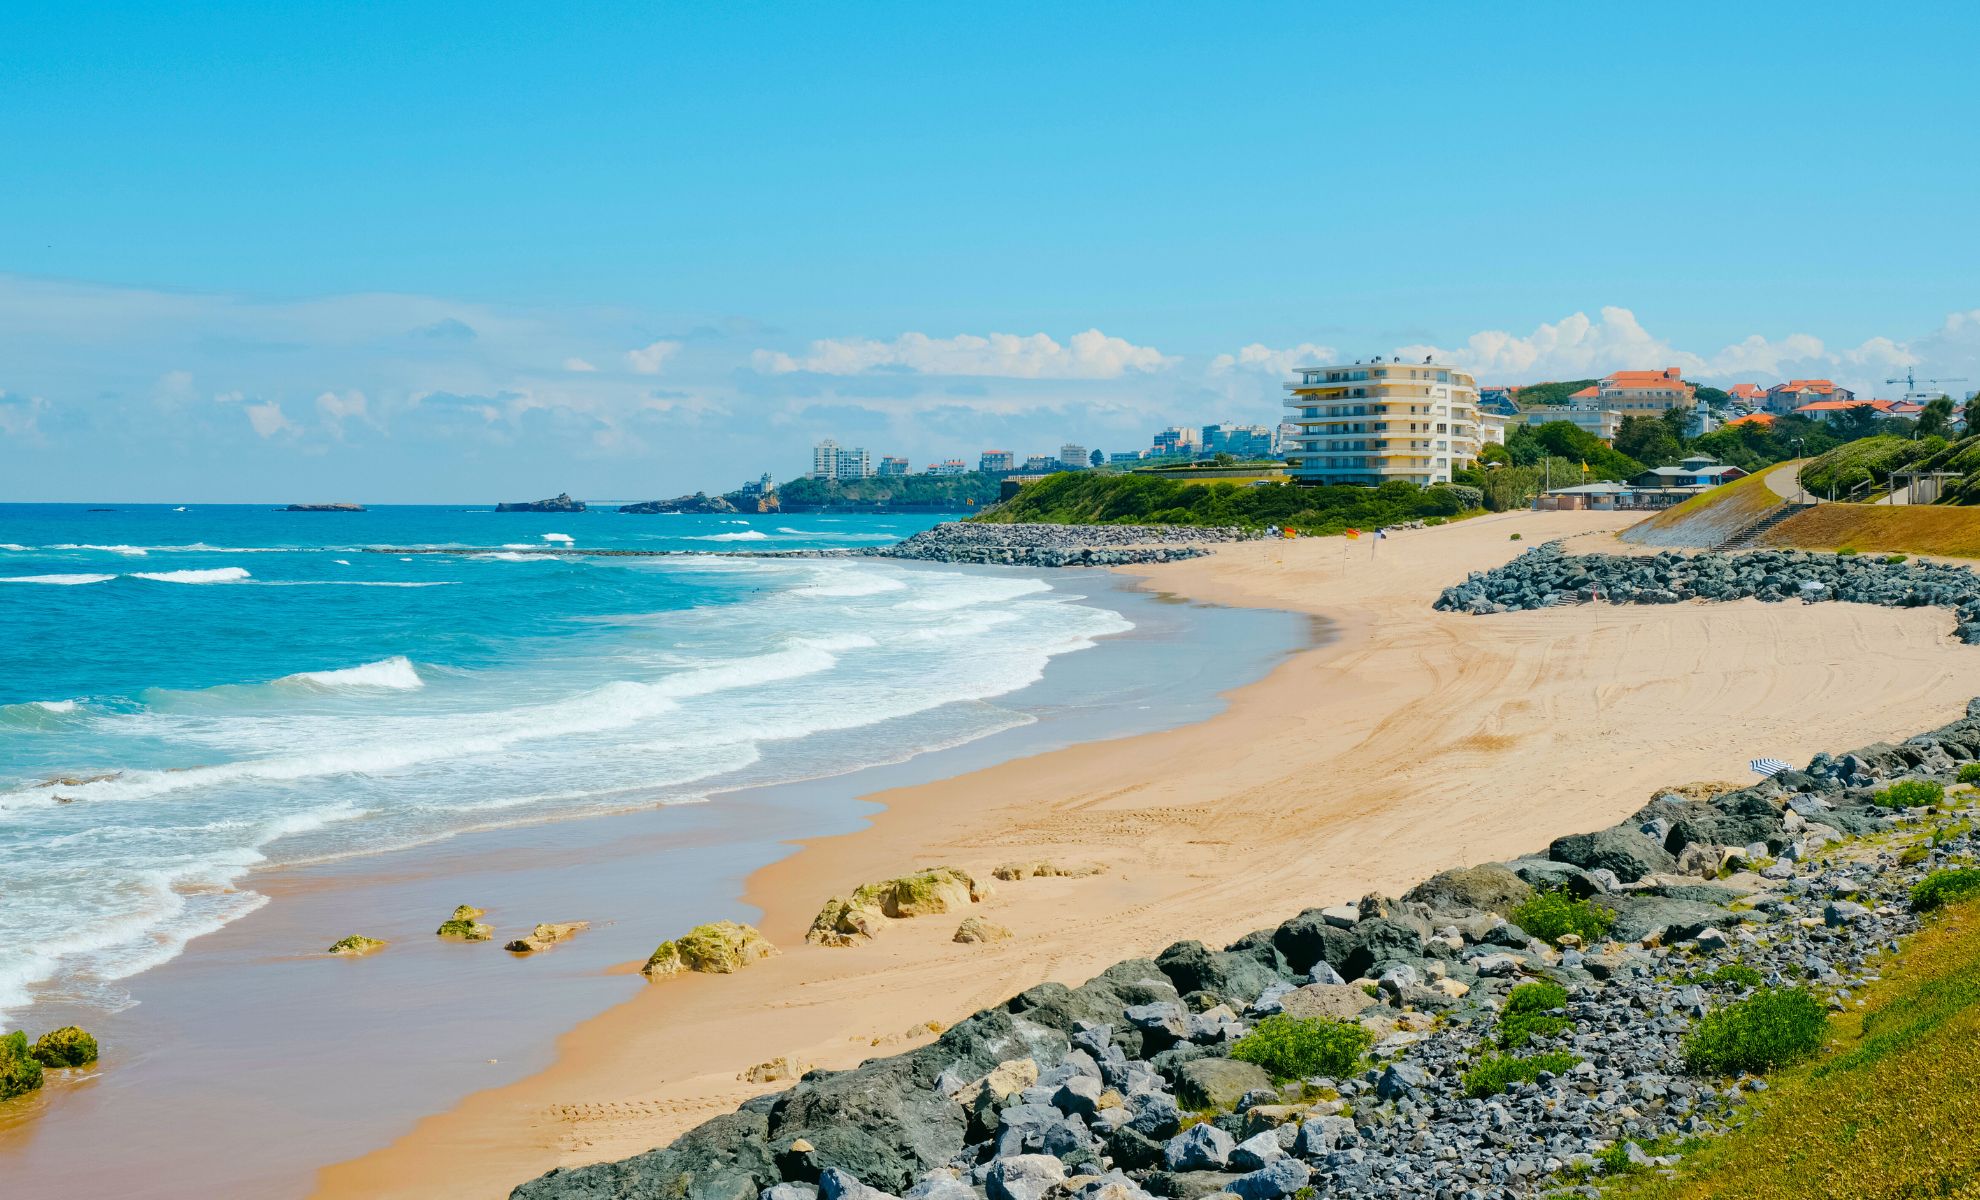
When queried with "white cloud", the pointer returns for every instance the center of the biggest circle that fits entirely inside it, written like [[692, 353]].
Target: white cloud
[[575, 363], [1088, 355], [1573, 348], [337, 409], [648, 359], [1265, 360], [20, 415], [267, 419]]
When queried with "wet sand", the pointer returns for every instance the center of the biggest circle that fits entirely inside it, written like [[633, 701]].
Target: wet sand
[[1410, 742]]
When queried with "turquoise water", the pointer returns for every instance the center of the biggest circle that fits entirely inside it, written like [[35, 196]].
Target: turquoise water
[[189, 694]]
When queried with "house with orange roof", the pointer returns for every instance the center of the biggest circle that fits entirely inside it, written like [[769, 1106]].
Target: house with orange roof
[[1748, 393], [1762, 419], [1643, 393], [1789, 396]]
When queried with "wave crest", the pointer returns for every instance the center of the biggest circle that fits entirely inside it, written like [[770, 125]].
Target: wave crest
[[395, 673]]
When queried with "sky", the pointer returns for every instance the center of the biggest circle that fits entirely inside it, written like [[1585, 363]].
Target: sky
[[467, 252]]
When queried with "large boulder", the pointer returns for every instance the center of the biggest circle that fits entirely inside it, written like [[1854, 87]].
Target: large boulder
[[1380, 940], [1311, 938], [885, 1123], [1218, 1083], [1490, 887], [717, 948], [1642, 917], [1229, 975], [1333, 1001], [727, 1158], [1628, 853]]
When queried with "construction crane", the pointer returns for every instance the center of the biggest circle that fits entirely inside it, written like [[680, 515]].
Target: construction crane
[[1911, 382]]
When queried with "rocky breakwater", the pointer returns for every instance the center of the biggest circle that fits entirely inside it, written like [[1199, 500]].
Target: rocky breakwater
[[1545, 576], [1500, 1031], [1059, 545], [559, 503]]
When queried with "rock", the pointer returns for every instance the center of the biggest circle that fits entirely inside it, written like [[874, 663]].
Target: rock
[[834, 1184], [560, 503], [69, 1046], [1492, 887], [546, 935], [1315, 937], [1336, 1002], [356, 944], [1342, 916], [1257, 1151], [464, 926], [1198, 1148], [842, 923], [1643, 918], [335, 506], [723, 1159], [1377, 941], [940, 1185], [717, 948], [790, 1191], [1547, 875], [699, 502], [976, 929], [777, 1070], [1401, 1079], [1012, 872], [1234, 976], [20, 1071], [1217, 1083], [1624, 851], [1023, 1177], [1709, 939], [1282, 1177]]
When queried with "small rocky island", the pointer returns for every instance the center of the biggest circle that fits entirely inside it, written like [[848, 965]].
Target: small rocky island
[[560, 503], [339, 506], [699, 502]]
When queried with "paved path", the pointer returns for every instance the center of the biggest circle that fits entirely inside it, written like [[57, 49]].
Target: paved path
[[1783, 481]]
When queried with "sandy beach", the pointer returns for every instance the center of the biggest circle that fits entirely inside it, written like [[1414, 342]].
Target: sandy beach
[[1411, 742]]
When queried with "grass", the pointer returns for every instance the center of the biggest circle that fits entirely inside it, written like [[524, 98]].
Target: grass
[[1893, 1111], [1953, 532], [1940, 888], [1911, 793], [1732, 976], [1969, 772], [1552, 914], [1770, 1028], [1496, 1073], [1527, 1014], [1299, 1047]]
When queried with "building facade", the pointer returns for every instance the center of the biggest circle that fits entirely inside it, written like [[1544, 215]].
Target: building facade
[[1041, 464], [1784, 398], [997, 462], [852, 462], [825, 460], [1239, 441], [952, 466], [1175, 440], [892, 464], [1371, 422], [1072, 456], [1642, 393], [1604, 423]]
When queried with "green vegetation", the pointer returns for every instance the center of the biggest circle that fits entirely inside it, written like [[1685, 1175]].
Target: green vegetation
[[1527, 1014], [462, 925], [1949, 886], [949, 493], [1496, 1073], [1299, 1047], [357, 943], [1527, 445], [19, 1072], [68, 1046], [1892, 1113], [1549, 915], [1732, 976], [1553, 393], [1858, 468], [1099, 498], [717, 948], [1911, 793], [1770, 1028], [1920, 529], [1969, 772]]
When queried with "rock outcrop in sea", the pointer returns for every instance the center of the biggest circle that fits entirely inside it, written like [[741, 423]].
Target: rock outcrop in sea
[[340, 506], [1451, 1079], [559, 503], [699, 502], [1545, 576]]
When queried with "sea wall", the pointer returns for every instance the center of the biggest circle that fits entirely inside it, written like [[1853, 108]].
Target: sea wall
[[1059, 545], [1545, 576], [1127, 1086]]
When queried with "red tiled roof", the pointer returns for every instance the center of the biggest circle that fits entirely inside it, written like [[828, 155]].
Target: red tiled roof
[[1587, 393], [1754, 419], [1746, 391]]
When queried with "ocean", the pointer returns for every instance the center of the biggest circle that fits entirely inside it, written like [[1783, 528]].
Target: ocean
[[188, 695]]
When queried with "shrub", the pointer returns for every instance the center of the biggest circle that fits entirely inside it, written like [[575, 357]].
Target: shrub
[[1912, 856], [1527, 1014], [19, 1072], [1296, 1047], [1732, 975], [1911, 793], [1771, 1027], [1515, 538], [65, 1047], [1550, 914], [1846, 552], [1944, 887], [1892, 560], [1497, 1072], [1969, 772]]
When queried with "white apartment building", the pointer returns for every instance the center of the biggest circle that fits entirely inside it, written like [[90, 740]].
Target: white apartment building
[[1072, 456], [830, 460], [1370, 422]]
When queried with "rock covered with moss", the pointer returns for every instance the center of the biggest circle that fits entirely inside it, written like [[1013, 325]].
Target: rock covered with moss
[[717, 948], [355, 945], [464, 925], [69, 1046], [547, 934], [20, 1071], [847, 920]]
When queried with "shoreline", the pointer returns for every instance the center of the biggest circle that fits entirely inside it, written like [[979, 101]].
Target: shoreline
[[1389, 754]]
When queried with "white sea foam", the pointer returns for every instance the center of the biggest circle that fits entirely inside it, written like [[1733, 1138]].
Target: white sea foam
[[744, 535], [15, 547], [342, 562], [128, 551], [509, 556], [56, 706], [212, 575], [69, 580], [965, 591], [394, 674], [847, 582], [560, 538]]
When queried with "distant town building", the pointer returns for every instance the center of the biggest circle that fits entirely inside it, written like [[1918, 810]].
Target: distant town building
[[1696, 472], [1604, 423], [1370, 422], [1176, 440], [1639, 393], [1072, 456], [1492, 427], [1241, 441], [1786, 397], [953, 466], [852, 462], [1041, 464], [892, 464], [759, 488], [825, 460], [1749, 395], [997, 462], [1823, 409], [1124, 457]]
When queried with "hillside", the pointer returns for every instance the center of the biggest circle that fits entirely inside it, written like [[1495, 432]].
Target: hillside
[[944, 493], [1553, 393], [1092, 498], [1950, 530], [1708, 519]]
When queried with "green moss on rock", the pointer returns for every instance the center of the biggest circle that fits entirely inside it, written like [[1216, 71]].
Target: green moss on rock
[[354, 945], [928, 891], [68, 1046], [19, 1072], [717, 948], [463, 925]]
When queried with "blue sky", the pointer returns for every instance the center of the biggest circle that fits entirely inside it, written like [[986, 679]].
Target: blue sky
[[472, 251]]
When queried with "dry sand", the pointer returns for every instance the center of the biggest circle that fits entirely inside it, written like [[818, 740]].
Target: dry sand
[[1413, 742]]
